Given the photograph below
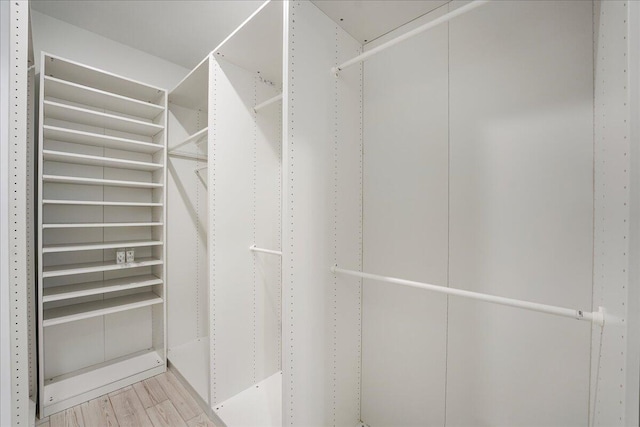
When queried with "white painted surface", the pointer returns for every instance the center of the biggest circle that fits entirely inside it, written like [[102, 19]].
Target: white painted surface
[[368, 20], [405, 230], [97, 380], [6, 407], [632, 403], [321, 224], [258, 406], [244, 184], [180, 31], [612, 218], [59, 38], [257, 45], [192, 362], [187, 245], [521, 212], [97, 328], [18, 196], [188, 269]]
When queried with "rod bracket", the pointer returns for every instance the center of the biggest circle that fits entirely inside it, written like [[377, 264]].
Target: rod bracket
[[335, 71], [598, 317]]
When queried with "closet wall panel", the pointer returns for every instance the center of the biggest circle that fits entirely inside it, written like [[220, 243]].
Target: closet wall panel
[[405, 230], [321, 224], [245, 210], [521, 224]]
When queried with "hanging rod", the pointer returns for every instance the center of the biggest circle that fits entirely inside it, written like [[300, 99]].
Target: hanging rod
[[192, 156], [444, 18], [196, 137], [267, 102], [254, 248], [196, 170], [596, 317]]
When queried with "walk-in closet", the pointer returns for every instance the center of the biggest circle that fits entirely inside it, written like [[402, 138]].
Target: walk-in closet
[[320, 213]]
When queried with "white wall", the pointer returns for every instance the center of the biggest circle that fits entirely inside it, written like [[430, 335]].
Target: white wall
[[478, 141], [70, 42], [405, 231]]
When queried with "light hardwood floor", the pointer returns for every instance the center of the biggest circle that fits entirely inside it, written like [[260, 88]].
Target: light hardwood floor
[[160, 401]]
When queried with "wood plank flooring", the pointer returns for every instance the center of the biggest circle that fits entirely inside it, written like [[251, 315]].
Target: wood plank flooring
[[160, 401]]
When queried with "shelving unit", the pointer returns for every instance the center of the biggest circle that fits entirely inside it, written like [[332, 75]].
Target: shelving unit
[[225, 335], [102, 175], [188, 244]]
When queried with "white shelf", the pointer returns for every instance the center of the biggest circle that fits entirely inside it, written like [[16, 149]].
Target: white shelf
[[98, 181], [73, 247], [258, 406], [110, 162], [74, 388], [58, 293], [68, 113], [103, 225], [192, 138], [192, 92], [80, 94], [98, 203], [191, 360], [87, 310], [56, 133], [96, 267], [99, 79], [256, 45]]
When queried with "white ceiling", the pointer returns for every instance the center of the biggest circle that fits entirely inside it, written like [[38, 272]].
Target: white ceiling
[[366, 20], [180, 31], [184, 31]]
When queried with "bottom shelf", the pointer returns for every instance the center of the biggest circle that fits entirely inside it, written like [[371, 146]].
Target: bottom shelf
[[258, 406], [191, 360], [68, 390]]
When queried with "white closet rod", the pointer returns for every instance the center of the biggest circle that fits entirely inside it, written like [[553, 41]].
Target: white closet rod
[[597, 317], [267, 102], [444, 18], [196, 170], [254, 248], [195, 138], [192, 156]]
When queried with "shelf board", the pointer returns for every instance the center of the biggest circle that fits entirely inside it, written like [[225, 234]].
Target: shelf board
[[103, 225], [87, 310], [110, 162], [191, 360], [259, 405], [96, 267], [98, 203], [192, 92], [58, 293], [192, 138], [73, 136], [68, 113], [74, 388], [256, 45], [89, 76], [74, 92], [73, 247], [98, 181]]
